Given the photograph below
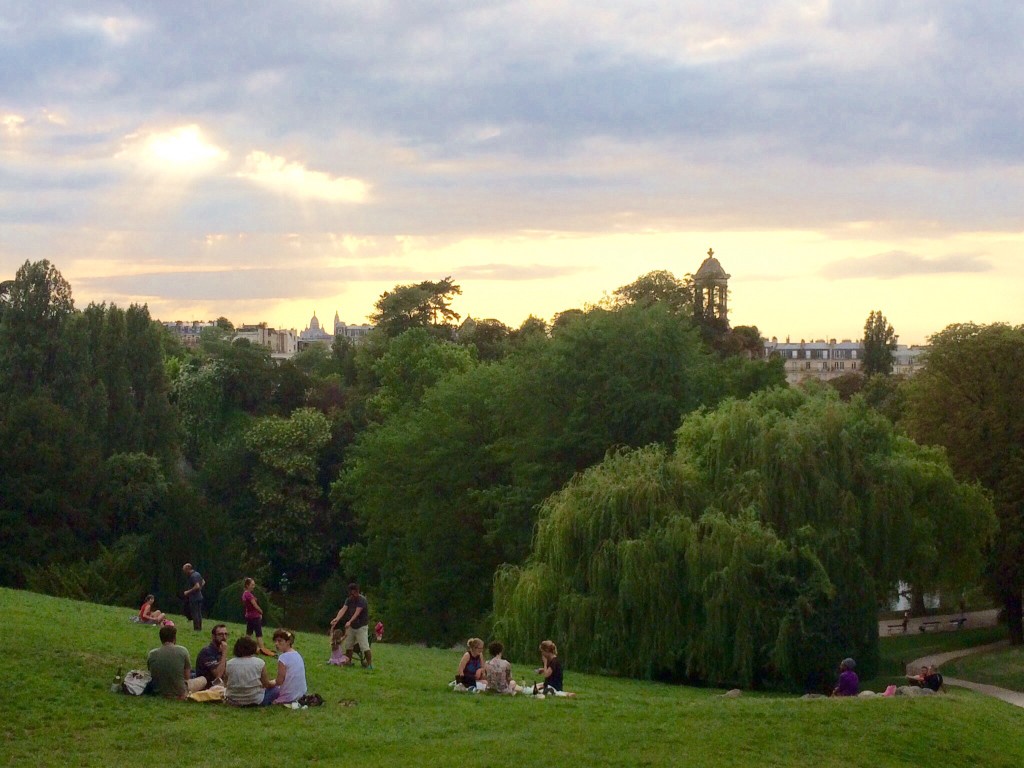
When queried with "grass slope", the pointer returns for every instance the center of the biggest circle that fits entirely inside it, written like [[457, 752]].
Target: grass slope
[[1002, 668], [61, 656]]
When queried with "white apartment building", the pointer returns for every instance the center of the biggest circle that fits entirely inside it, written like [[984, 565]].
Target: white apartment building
[[824, 360]]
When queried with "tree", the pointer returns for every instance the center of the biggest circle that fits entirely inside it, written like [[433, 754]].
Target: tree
[[967, 398], [290, 529], [755, 554], [37, 304], [421, 305], [471, 455], [659, 286], [879, 344]]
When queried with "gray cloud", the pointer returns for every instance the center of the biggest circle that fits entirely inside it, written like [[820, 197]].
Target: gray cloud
[[895, 264], [467, 116]]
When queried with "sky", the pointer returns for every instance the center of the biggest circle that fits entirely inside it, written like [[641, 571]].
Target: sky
[[262, 161]]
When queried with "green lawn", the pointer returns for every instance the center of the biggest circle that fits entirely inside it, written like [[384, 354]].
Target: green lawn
[[61, 656], [1004, 668]]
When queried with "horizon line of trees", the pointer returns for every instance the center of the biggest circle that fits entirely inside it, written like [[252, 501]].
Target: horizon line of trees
[[418, 462]]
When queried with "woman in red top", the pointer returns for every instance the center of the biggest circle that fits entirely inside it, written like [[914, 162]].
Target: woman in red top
[[146, 613]]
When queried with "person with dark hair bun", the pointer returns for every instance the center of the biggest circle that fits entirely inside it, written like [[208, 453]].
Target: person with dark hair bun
[[245, 676], [290, 684]]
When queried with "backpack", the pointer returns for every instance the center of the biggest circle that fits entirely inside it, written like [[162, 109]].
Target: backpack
[[311, 700], [136, 681]]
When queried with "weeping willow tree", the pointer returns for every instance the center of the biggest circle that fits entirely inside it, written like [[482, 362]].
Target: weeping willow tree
[[755, 554]]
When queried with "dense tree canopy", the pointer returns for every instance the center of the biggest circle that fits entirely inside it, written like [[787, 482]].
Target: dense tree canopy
[[755, 554], [456, 479], [967, 398]]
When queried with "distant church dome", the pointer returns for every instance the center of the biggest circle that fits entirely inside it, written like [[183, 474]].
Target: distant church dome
[[314, 324]]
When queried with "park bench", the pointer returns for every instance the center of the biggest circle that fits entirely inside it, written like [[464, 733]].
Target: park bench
[[959, 622], [926, 625], [900, 627]]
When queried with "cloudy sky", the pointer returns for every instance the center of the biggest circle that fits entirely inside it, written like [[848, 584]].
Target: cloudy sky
[[265, 160]]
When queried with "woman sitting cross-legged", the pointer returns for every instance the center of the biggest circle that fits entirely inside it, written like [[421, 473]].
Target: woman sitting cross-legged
[[290, 683], [146, 613], [245, 676]]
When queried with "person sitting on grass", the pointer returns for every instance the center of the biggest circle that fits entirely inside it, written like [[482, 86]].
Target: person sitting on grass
[[498, 671], [245, 676], [212, 658], [551, 669], [848, 683], [928, 677], [338, 656], [146, 613], [171, 668], [471, 665], [290, 684]]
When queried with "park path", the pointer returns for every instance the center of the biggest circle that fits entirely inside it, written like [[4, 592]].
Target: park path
[[1011, 697], [973, 620]]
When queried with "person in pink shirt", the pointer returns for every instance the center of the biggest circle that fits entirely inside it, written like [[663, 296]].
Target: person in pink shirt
[[253, 616]]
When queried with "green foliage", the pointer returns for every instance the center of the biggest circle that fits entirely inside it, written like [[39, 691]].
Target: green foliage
[[37, 304], [112, 577], [755, 554], [414, 362], [457, 478], [291, 526], [967, 398], [879, 344], [657, 287], [423, 305], [132, 488], [228, 605]]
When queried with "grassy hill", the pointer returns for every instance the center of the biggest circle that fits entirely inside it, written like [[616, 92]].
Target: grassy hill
[[61, 656]]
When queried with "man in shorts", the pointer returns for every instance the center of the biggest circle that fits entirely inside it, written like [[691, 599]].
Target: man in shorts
[[358, 622]]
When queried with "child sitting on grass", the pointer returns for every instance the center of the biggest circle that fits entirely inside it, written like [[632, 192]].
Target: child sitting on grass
[[338, 656]]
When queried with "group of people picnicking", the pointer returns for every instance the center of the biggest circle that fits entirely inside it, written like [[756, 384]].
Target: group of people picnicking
[[475, 675], [241, 680]]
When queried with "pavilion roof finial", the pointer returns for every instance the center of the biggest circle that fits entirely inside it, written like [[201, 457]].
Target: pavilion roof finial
[[711, 252]]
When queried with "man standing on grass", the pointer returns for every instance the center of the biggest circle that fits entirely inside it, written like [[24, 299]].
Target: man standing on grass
[[194, 595], [213, 658], [359, 619], [171, 667]]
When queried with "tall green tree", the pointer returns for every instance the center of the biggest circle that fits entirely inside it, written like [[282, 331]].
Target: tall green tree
[[421, 305], [755, 554], [291, 529], [457, 477], [967, 398], [879, 344], [37, 305]]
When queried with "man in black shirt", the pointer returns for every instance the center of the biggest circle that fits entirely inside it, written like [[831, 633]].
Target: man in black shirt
[[212, 660], [356, 627]]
